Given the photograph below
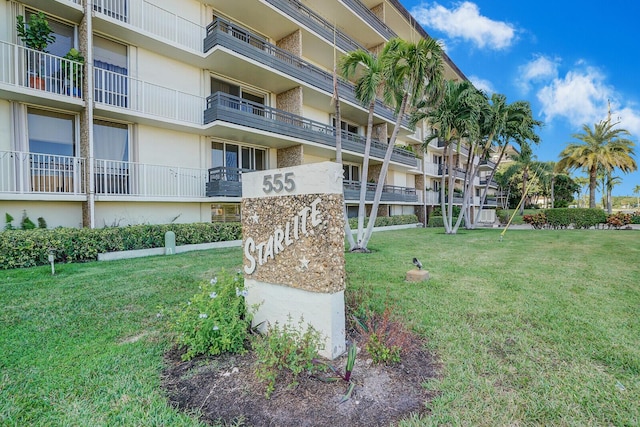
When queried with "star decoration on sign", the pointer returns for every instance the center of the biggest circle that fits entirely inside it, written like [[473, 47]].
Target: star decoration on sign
[[339, 175], [254, 217], [304, 263]]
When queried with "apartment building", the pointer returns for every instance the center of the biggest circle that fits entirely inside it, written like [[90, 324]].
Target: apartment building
[[176, 100]]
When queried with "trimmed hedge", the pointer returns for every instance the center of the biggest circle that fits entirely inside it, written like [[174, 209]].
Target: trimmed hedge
[[579, 218], [385, 221], [437, 221], [28, 248]]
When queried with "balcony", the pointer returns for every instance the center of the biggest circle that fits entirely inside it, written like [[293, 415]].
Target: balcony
[[492, 183], [491, 201], [153, 20], [459, 173], [226, 34], [390, 193], [238, 111], [37, 173], [42, 73], [453, 145], [121, 179], [225, 181], [363, 12], [316, 23], [121, 91], [488, 163]]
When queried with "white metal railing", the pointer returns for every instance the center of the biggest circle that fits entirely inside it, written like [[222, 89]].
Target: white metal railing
[[23, 172], [155, 20], [127, 92], [144, 180], [432, 197], [432, 169], [20, 66]]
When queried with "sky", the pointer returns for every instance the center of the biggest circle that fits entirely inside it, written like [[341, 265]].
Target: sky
[[569, 59]]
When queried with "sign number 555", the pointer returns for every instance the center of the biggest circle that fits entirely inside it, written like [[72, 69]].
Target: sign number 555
[[278, 182]]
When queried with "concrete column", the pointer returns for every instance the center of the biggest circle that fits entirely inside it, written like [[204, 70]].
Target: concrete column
[[292, 43], [290, 101]]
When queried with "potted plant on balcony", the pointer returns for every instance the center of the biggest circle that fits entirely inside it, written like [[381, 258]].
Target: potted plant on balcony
[[36, 35], [72, 71]]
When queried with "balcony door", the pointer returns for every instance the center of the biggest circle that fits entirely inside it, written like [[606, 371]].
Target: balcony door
[[232, 159], [111, 149], [52, 147], [110, 73], [250, 101]]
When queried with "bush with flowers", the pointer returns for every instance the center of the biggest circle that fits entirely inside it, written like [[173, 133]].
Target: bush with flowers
[[215, 320]]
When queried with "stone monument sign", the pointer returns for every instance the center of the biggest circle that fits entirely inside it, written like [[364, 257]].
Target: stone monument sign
[[293, 246]]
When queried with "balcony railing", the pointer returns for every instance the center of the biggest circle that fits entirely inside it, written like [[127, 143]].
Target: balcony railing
[[224, 181], [233, 37], [122, 91], [315, 22], [116, 178], [362, 11], [233, 109], [487, 162], [154, 20], [390, 193], [24, 67], [453, 146], [24, 173], [459, 173], [492, 183]]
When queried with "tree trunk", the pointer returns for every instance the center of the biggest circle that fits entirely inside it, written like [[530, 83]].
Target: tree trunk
[[592, 186], [365, 175], [383, 173]]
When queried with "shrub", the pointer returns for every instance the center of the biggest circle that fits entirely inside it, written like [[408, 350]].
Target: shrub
[[42, 223], [26, 223], [579, 218], [285, 352], [537, 221], [385, 339], [214, 320], [8, 219], [384, 221], [618, 220], [635, 218], [31, 247], [438, 221]]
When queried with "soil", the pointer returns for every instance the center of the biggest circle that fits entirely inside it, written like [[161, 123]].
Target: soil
[[224, 390]]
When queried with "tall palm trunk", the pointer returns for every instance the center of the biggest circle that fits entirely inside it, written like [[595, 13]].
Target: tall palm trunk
[[383, 172], [593, 175], [365, 176]]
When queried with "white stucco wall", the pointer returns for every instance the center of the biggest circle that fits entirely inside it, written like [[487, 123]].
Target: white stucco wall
[[132, 213], [166, 147], [56, 214], [5, 125]]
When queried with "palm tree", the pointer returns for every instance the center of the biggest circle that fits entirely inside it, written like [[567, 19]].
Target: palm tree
[[525, 164], [603, 146], [412, 72], [505, 124], [454, 117], [370, 83], [636, 191]]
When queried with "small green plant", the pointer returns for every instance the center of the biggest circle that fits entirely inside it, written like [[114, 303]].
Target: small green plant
[[42, 223], [352, 353], [8, 219], [385, 339], [26, 223], [618, 220], [214, 320], [72, 71], [285, 351], [36, 34]]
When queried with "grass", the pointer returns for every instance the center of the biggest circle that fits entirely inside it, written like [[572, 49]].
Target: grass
[[542, 328]]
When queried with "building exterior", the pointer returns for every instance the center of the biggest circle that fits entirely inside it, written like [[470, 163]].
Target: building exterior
[[175, 100]]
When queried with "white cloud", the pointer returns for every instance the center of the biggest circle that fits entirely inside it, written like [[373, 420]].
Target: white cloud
[[482, 84], [539, 69], [580, 97], [465, 22]]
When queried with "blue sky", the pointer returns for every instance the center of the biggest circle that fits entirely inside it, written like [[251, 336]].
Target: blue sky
[[568, 58]]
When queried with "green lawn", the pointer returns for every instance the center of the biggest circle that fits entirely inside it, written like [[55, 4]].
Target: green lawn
[[542, 328]]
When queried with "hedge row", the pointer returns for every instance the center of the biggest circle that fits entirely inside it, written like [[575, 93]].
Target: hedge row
[[27, 248], [438, 222], [565, 217], [385, 221]]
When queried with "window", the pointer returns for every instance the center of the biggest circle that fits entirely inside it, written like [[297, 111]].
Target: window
[[225, 212], [110, 72], [253, 102], [234, 157], [351, 172], [52, 145], [111, 149], [346, 126]]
